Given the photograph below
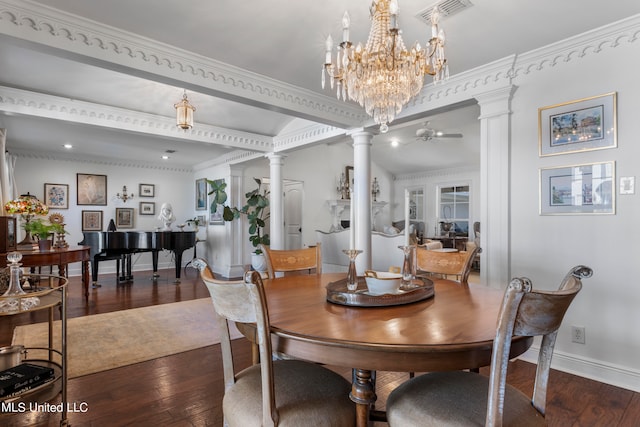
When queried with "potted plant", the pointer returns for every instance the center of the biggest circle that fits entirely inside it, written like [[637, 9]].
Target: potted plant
[[254, 209], [42, 231]]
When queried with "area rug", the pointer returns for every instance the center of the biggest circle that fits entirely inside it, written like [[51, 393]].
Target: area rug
[[105, 341]]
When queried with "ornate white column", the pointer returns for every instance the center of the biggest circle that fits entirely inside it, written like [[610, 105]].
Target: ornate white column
[[495, 169], [362, 202], [276, 201]]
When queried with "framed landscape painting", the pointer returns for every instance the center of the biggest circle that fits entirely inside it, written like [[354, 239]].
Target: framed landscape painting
[[583, 125], [201, 194], [578, 189], [56, 196], [147, 208], [147, 190], [92, 189]]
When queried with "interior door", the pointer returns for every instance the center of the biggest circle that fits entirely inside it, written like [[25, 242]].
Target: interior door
[[293, 195]]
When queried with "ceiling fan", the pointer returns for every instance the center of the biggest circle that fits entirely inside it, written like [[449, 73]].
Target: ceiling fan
[[426, 133]]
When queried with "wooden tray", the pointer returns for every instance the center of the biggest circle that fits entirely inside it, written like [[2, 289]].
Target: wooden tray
[[419, 289]]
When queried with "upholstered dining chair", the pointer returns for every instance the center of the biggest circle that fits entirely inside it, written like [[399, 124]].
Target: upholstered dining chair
[[445, 264], [294, 260], [461, 398], [271, 393]]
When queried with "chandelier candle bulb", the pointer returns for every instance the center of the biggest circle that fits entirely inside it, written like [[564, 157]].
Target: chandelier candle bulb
[[346, 21]]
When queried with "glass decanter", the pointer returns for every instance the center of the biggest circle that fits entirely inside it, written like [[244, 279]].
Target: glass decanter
[[15, 299]]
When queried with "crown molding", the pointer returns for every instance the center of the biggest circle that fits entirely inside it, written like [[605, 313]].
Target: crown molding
[[436, 173], [99, 44], [54, 107], [305, 136], [574, 48], [110, 162]]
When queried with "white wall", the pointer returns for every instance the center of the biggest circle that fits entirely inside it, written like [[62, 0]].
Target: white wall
[[545, 247], [175, 187]]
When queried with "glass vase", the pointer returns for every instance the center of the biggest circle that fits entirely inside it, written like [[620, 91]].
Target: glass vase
[[15, 298], [352, 275], [408, 268]]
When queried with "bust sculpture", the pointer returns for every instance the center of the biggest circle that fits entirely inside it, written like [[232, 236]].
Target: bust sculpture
[[166, 216]]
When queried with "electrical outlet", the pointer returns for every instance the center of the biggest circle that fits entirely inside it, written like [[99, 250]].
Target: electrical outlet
[[577, 334]]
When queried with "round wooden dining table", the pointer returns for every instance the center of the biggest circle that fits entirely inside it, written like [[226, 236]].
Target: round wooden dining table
[[453, 330]]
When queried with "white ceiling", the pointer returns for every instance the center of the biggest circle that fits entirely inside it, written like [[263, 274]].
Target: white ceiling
[[279, 39]]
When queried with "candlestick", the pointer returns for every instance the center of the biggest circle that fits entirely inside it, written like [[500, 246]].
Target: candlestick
[[406, 217], [352, 224], [352, 276]]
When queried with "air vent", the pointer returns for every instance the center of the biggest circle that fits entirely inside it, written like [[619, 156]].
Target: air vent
[[447, 8]]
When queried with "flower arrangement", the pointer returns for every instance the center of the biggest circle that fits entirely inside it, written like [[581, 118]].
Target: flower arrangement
[[26, 205]]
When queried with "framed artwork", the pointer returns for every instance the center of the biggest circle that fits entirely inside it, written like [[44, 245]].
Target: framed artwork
[[215, 218], [348, 173], [91, 220], [583, 125], [627, 185], [147, 208], [124, 217], [201, 194], [92, 189], [578, 189], [56, 196], [147, 190]]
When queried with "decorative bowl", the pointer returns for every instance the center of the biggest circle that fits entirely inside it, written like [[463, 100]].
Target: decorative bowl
[[382, 282]]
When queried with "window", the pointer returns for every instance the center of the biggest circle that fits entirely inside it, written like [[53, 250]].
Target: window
[[454, 208], [416, 205]]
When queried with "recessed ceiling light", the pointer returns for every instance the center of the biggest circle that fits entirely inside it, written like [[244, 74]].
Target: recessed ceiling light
[[394, 143], [68, 146], [165, 157]]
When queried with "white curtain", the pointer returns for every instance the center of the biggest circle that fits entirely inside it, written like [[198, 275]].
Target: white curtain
[[8, 190]]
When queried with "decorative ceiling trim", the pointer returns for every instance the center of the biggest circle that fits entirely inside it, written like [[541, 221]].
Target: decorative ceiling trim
[[103, 162], [308, 135], [235, 157], [436, 173], [574, 48], [99, 44], [54, 107]]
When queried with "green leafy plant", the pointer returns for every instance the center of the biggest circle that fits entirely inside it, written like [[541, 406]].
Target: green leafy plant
[[255, 210], [36, 227]]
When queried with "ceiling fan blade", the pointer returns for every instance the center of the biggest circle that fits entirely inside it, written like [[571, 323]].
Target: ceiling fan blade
[[448, 135]]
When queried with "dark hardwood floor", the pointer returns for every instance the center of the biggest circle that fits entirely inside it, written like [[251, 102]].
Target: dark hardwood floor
[[186, 389]]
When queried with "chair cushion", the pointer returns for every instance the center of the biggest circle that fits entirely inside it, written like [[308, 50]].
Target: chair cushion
[[455, 399], [306, 394]]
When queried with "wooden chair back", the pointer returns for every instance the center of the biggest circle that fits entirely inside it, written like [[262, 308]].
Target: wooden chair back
[[243, 301], [445, 263], [295, 260], [526, 312]]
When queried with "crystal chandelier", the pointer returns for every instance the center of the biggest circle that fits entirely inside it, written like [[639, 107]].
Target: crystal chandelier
[[383, 75], [184, 113]]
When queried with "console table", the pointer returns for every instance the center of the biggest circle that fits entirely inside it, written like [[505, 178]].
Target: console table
[[60, 257]]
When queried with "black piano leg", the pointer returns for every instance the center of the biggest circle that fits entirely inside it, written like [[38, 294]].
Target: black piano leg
[[154, 259], [94, 274], [178, 265]]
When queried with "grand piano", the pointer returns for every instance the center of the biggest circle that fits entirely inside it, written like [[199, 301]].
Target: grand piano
[[120, 245]]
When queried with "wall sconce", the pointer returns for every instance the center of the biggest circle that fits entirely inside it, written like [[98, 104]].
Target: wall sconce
[[184, 113], [375, 189], [124, 196]]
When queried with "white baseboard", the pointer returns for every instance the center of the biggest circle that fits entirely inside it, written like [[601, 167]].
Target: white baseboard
[[596, 370]]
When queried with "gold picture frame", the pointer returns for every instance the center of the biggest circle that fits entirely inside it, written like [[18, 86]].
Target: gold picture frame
[[583, 125]]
